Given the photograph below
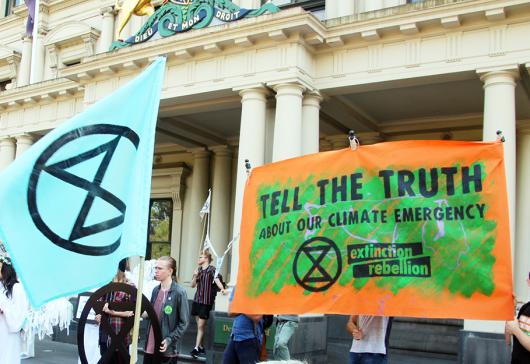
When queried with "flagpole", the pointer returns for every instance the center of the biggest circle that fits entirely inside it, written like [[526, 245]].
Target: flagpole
[[34, 42], [137, 312]]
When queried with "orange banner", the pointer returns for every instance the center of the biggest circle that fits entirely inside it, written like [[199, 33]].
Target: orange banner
[[412, 228]]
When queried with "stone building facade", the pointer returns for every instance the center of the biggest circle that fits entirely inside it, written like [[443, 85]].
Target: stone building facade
[[281, 85]]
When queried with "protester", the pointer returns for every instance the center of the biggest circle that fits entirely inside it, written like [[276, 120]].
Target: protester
[[520, 330], [285, 327], [13, 312], [115, 319], [170, 303], [204, 279], [370, 339], [522, 337], [245, 340]]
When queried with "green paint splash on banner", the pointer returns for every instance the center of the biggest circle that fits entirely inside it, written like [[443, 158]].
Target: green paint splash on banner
[[459, 251]]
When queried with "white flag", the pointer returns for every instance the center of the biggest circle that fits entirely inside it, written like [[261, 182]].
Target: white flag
[[206, 207]]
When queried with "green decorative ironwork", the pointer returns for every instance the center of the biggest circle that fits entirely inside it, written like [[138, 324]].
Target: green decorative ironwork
[[176, 16]]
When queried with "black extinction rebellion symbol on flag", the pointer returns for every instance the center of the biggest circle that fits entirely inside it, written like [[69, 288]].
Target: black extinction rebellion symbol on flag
[[317, 264], [93, 188]]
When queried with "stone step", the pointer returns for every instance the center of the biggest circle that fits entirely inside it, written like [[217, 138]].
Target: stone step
[[430, 336], [397, 356], [426, 335]]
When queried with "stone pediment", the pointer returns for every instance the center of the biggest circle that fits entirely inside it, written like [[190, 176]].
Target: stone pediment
[[69, 43], [8, 53], [9, 60], [71, 32]]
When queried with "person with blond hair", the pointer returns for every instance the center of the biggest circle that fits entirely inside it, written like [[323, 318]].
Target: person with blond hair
[[207, 284], [170, 302]]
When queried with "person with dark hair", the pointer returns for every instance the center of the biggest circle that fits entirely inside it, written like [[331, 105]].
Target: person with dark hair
[[13, 312], [204, 279], [116, 319], [519, 328], [170, 303]]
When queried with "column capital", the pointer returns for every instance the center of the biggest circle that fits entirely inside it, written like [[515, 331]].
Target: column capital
[[200, 153], [107, 11], [221, 151], [313, 98], [289, 88], [26, 37], [7, 142], [42, 31], [24, 138], [499, 75], [253, 92]]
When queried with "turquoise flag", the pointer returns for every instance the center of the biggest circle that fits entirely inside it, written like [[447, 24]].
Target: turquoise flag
[[77, 201]]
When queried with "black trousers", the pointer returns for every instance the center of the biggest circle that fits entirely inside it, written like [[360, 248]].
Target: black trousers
[[150, 359], [116, 358]]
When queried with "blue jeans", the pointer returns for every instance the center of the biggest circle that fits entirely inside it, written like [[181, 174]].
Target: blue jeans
[[367, 358], [242, 352], [284, 331]]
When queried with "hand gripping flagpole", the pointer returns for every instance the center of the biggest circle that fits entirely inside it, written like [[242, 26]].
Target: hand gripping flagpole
[[137, 312]]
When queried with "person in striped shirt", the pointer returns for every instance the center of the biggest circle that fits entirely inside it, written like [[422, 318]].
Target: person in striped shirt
[[204, 279]]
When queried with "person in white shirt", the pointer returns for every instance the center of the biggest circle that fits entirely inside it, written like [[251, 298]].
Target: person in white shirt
[[13, 312], [370, 339]]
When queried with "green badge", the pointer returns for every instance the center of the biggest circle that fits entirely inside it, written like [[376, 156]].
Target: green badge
[[168, 309]]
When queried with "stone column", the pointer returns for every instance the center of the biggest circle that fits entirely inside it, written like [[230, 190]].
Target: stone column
[[37, 72], [499, 114], [25, 62], [373, 5], [346, 7], [24, 142], [178, 189], [522, 226], [221, 198], [311, 123], [288, 121], [251, 147], [107, 29], [7, 152], [269, 128], [199, 193], [332, 10]]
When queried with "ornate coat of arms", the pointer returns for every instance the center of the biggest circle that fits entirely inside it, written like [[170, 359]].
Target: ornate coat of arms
[[176, 16]]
